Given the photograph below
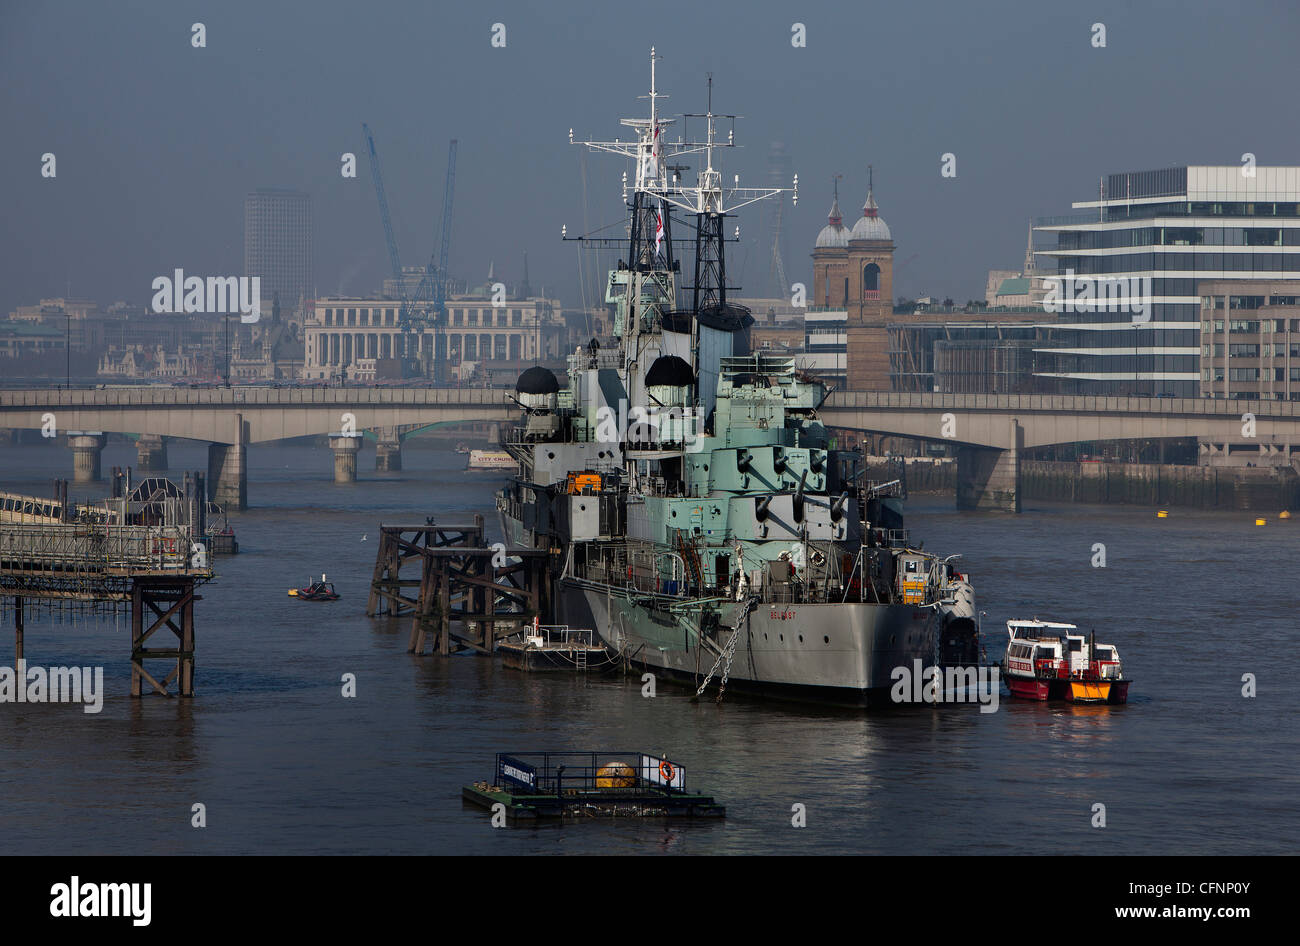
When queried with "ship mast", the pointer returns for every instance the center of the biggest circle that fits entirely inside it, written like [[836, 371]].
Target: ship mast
[[711, 205], [651, 269]]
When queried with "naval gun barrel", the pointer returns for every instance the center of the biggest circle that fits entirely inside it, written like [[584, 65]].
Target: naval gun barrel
[[743, 459], [837, 507], [798, 498], [760, 508], [779, 462]]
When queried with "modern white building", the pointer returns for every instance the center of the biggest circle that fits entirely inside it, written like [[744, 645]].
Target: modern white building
[[1174, 228]]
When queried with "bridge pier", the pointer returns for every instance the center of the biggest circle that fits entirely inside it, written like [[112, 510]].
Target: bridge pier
[[151, 454], [228, 470], [989, 478], [388, 451], [345, 447], [87, 447]]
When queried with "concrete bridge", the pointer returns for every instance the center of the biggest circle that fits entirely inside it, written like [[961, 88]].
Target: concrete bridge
[[989, 431], [230, 419]]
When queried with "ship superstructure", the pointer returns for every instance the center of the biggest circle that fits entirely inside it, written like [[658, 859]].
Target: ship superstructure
[[697, 513]]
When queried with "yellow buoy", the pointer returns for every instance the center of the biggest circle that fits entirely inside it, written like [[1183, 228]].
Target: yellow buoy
[[1284, 514], [1260, 522], [1162, 514], [293, 592], [616, 775]]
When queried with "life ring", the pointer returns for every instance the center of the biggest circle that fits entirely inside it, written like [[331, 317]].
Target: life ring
[[667, 772]]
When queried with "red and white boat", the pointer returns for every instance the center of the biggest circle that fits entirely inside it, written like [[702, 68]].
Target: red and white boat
[[1050, 661]]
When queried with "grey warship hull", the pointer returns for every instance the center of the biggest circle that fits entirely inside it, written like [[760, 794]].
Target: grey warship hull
[[834, 653]]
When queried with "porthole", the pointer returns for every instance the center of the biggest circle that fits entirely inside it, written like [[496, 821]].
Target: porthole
[[801, 638], [550, 456], [826, 640], [783, 638]]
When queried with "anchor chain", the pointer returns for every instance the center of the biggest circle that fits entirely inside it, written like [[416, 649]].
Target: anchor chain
[[725, 657]]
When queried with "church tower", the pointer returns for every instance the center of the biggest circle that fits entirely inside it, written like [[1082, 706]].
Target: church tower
[[831, 260], [870, 274]]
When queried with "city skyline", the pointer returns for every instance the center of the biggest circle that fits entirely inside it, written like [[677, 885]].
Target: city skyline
[[116, 215]]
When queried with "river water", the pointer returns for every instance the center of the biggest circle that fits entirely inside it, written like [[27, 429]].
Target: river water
[[285, 764]]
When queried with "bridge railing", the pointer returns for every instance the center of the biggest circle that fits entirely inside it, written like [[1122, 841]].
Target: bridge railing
[[254, 397], [288, 397], [1058, 403]]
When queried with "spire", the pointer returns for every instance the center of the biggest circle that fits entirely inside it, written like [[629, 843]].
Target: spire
[[526, 290], [836, 219], [1029, 249], [870, 208]]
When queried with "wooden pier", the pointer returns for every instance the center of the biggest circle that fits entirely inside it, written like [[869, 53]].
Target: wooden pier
[[151, 573], [463, 594]]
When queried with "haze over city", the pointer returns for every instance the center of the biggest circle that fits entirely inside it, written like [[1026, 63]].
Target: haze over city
[[157, 142]]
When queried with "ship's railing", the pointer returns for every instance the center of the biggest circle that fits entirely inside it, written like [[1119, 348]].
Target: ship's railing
[[557, 635]]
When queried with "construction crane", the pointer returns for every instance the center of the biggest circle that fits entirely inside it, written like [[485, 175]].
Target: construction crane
[[393, 257], [430, 301]]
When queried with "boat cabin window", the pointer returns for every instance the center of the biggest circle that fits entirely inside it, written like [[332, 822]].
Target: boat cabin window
[[1105, 653], [1076, 644]]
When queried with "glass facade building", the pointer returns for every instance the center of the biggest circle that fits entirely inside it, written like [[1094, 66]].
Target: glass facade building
[[278, 246], [1165, 231]]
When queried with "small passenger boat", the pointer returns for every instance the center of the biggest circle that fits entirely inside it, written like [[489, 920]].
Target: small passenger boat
[[1049, 661]]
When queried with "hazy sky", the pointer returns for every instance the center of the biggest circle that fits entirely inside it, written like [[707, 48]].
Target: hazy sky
[[157, 142]]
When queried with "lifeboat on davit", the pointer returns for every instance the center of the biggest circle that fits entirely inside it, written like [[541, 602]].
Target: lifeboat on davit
[[1050, 661]]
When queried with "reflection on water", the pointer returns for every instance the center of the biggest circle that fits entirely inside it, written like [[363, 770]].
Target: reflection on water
[[285, 764]]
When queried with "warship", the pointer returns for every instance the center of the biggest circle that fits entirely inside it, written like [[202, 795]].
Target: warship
[[696, 510]]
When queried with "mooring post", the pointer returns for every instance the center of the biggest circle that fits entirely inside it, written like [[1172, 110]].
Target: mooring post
[[137, 632], [444, 611], [186, 657]]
